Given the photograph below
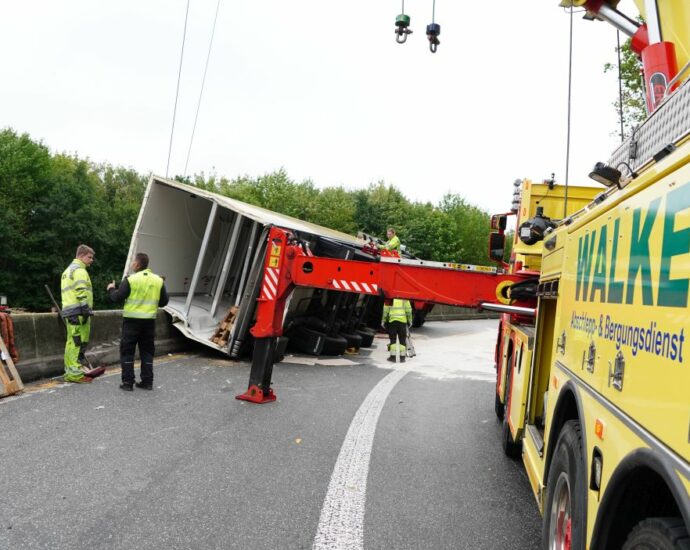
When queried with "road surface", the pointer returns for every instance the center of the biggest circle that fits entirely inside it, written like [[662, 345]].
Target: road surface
[[356, 453]]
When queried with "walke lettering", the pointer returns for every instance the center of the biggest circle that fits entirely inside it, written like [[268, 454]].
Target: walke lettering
[[597, 258], [649, 339]]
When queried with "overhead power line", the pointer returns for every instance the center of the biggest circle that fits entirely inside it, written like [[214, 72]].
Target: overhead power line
[[201, 92], [177, 92]]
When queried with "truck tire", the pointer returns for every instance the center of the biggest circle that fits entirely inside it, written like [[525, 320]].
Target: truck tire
[[367, 337], [498, 407], [279, 352], [307, 340], [354, 340], [418, 318], [334, 345], [660, 534], [564, 509], [512, 448]]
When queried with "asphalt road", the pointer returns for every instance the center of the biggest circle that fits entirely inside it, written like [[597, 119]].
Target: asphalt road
[[356, 453]]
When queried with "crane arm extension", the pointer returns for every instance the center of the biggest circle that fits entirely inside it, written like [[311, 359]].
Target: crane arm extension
[[288, 265]]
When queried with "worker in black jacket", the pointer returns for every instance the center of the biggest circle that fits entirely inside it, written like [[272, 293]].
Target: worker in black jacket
[[143, 292]]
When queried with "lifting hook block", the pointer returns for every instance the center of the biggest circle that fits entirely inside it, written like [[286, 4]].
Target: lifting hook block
[[432, 32], [402, 23]]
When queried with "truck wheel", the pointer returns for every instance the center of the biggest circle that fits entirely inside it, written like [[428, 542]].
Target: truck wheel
[[418, 318], [564, 510], [660, 534], [368, 336], [512, 448], [498, 407]]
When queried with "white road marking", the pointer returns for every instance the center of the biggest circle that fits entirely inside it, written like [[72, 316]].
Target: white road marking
[[341, 525]]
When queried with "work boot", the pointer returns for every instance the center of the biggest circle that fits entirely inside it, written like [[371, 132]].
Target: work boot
[[391, 359], [402, 359], [126, 387], [144, 385]]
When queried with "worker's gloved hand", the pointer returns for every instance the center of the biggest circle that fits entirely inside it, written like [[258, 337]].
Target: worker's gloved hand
[[73, 320], [86, 311]]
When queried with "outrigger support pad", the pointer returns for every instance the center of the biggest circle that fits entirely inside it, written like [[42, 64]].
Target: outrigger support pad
[[259, 390]]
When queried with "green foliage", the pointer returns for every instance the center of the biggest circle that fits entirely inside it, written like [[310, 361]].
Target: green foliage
[[51, 203], [634, 106]]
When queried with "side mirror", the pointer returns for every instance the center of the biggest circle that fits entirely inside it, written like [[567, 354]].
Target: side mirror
[[499, 222], [497, 243]]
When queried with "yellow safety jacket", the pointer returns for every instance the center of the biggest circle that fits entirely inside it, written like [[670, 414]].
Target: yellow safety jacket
[[393, 244], [76, 289], [144, 295], [400, 310]]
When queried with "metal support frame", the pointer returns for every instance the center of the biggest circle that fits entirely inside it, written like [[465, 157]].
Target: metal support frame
[[287, 265], [247, 258], [226, 264], [652, 19], [200, 259], [618, 20]]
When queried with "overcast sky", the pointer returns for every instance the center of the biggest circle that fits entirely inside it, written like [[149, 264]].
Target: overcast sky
[[319, 88]]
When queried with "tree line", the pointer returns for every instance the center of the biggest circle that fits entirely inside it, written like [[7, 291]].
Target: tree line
[[52, 202]]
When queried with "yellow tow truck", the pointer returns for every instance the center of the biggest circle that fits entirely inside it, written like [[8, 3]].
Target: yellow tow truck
[[594, 390]]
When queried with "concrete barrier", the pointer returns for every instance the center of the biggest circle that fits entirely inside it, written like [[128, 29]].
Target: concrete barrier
[[452, 313], [40, 338], [40, 341]]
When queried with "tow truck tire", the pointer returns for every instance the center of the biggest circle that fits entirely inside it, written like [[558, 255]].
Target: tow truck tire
[[564, 509], [498, 407], [512, 448], [660, 534]]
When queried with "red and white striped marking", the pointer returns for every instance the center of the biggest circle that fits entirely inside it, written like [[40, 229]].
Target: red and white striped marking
[[270, 287], [354, 286]]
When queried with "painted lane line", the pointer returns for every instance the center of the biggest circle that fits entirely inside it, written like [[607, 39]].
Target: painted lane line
[[341, 525]]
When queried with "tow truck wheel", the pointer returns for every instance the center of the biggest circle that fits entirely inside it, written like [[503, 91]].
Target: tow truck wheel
[[512, 448], [660, 534], [564, 513], [498, 407]]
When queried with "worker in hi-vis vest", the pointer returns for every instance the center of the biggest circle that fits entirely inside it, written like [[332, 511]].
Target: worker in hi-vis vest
[[77, 304], [397, 316], [393, 242], [143, 292]]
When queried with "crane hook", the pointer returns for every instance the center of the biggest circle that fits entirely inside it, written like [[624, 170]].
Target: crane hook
[[432, 32], [402, 22]]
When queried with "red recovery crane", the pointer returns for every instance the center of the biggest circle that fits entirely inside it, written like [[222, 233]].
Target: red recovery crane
[[289, 264]]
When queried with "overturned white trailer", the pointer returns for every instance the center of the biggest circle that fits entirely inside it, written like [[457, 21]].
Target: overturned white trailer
[[211, 250]]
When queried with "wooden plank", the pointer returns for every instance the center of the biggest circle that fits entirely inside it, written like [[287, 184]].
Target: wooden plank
[[10, 382]]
